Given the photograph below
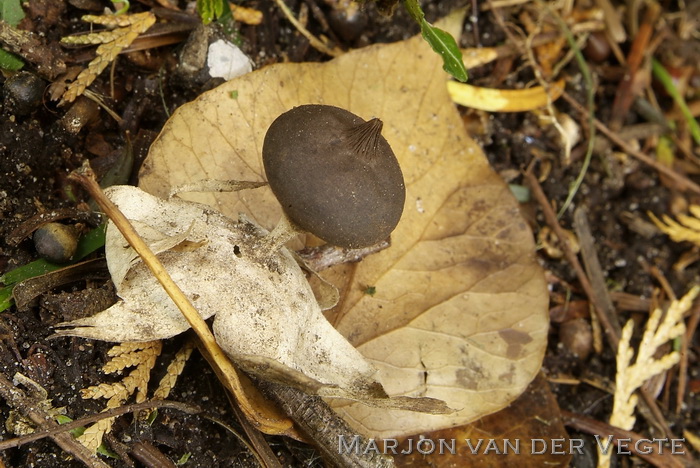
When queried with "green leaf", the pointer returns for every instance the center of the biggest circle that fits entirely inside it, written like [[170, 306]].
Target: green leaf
[[63, 419], [30, 270], [447, 47], [105, 451], [440, 41], [10, 61], [209, 10], [90, 242], [5, 297], [183, 459], [87, 244], [520, 192], [11, 12]]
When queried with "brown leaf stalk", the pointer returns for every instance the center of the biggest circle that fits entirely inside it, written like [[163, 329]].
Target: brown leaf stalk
[[628, 87]]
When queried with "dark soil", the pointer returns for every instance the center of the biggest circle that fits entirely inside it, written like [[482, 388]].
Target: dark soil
[[41, 143]]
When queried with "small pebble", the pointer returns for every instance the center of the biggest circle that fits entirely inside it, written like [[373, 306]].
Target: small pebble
[[227, 61]]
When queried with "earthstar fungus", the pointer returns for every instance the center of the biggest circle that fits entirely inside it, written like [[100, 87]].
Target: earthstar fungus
[[334, 175]]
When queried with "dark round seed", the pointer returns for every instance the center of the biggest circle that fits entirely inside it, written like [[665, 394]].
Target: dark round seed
[[56, 242]]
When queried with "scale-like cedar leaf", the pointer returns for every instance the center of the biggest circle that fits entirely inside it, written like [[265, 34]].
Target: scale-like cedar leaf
[[127, 29]]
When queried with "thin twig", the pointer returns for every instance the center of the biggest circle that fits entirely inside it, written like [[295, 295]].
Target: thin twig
[[258, 446], [313, 40], [551, 218], [110, 413], [683, 183], [150, 456], [663, 459], [32, 410], [319, 422], [593, 268]]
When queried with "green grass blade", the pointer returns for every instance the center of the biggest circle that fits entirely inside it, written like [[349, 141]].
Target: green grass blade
[[661, 74], [10, 61]]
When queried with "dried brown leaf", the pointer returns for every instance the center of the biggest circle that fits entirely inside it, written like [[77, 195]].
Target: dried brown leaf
[[511, 437], [460, 309]]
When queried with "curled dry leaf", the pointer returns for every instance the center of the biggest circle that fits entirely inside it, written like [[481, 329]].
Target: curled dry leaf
[[504, 100], [459, 310], [267, 321]]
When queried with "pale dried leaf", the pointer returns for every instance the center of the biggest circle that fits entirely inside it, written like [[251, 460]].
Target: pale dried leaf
[[246, 15], [268, 320], [460, 310], [504, 100]]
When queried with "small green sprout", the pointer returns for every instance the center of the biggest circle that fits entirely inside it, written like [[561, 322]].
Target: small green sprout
[[210, 10], [125, 6]]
